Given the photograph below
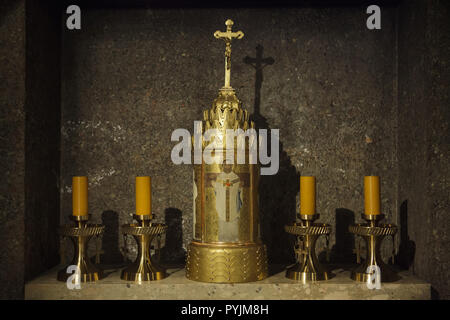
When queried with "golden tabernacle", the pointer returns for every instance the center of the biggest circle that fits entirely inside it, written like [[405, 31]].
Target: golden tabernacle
[[226, 247]]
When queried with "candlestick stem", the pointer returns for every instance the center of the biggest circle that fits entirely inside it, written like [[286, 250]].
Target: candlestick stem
[[144, 268], [86, 271], [373, 234]]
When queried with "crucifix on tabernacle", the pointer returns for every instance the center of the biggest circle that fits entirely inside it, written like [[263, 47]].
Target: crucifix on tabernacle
[[228, 37]]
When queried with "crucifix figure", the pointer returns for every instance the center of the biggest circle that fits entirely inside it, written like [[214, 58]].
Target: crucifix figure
[[228, 37]]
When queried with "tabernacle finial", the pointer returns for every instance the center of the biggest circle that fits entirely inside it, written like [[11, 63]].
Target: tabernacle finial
[[228, 37]]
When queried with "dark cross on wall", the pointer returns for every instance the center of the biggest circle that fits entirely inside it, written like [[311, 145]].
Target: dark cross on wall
[[258, 63]]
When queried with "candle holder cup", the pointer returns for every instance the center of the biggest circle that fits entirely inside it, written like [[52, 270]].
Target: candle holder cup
[[373, 233], [85, 271], [307, 232], [144, 268]]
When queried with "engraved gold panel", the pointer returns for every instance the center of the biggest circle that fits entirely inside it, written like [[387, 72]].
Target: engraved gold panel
[[226, 263]]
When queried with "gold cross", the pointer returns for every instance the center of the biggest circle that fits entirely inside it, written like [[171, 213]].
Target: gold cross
[[300, 249], [228, 37]]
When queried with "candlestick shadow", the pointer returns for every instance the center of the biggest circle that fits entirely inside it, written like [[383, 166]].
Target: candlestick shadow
[[173, 253], [110, 240], [343, 251], [407, 248]]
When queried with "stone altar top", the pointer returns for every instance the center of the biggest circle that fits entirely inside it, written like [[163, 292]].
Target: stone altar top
[[275, 287]]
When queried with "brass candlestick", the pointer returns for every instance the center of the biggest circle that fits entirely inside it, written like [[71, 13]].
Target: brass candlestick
[[373, 233], [144, 268], [307, 232], [80, 236]]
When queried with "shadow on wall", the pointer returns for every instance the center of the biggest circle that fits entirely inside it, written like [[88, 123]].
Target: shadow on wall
[[111, 254], [342, 252], [407, 248], [173, 253], [277, 193]]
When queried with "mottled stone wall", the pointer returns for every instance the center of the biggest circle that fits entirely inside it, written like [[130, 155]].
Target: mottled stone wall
[[424, 140], [132, 76], [30, 130], [42, 139], [12, 146]]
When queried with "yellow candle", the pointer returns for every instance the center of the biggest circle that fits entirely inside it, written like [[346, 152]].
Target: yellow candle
[[307, 195], [372, 195], [79, 196], [143, 196]]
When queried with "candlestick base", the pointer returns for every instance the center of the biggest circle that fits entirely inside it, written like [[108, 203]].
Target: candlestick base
[[144, 267], [307, 267], [86, 274], [373, 233], [85, 270]]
